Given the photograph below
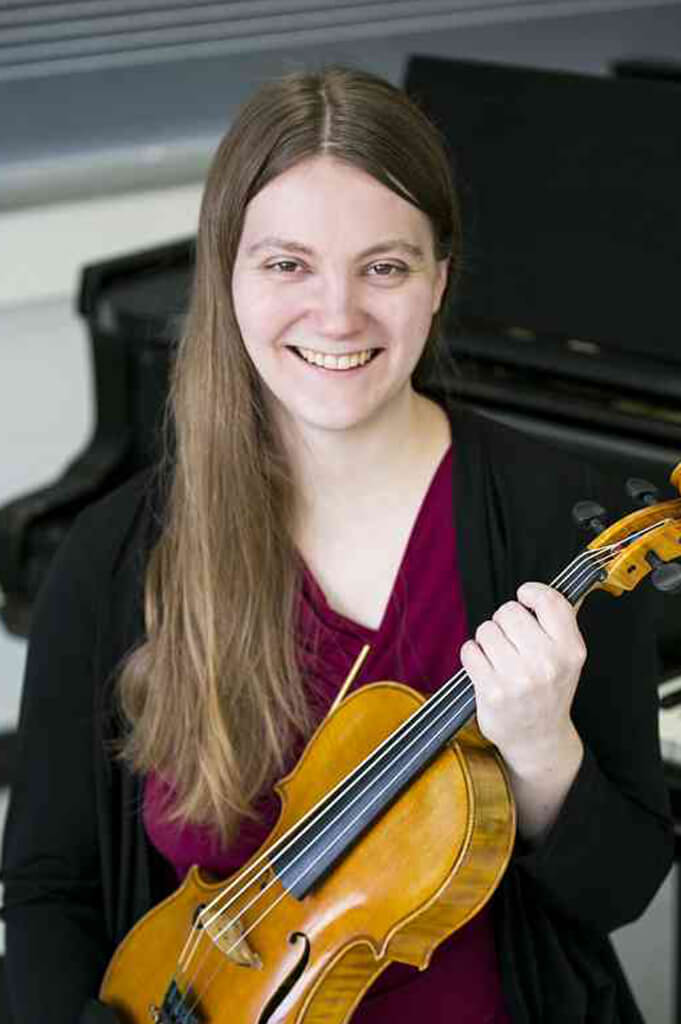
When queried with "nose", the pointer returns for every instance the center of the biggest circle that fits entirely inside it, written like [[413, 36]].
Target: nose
[[338, 310]]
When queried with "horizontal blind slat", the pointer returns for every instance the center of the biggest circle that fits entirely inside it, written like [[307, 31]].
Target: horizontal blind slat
[[93, 9], [144, 33], [313, 26]]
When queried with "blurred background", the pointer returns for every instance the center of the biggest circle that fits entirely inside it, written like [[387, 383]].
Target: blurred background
[[109, 114]]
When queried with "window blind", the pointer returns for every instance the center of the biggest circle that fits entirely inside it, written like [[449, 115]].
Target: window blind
[[54, 37]]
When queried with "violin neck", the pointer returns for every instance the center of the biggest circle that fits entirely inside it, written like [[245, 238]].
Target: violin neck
[[369, 790], [453, 704]]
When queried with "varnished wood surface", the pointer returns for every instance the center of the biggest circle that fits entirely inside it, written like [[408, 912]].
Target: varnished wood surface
[[425, 868]]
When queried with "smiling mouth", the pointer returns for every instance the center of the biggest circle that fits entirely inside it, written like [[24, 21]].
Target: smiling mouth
[[326, 361]]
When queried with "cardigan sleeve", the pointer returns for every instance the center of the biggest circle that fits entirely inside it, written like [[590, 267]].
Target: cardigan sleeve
[[612, 843], [51, 871]]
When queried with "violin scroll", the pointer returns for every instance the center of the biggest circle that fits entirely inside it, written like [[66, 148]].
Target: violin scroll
[[646, 542]]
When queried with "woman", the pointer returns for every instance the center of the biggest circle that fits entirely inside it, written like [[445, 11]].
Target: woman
[[317, 499]]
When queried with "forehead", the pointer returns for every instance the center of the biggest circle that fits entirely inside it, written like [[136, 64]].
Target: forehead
[[323, 202]]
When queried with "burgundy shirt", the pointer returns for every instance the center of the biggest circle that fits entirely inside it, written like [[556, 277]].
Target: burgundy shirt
[[417, 642]]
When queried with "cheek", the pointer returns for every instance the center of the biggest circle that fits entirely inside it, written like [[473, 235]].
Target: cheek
[[240, 303], [412, 317], [421, 320], [260, 312]]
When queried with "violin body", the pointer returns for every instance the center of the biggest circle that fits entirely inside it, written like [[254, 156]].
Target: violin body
[[428, 864]]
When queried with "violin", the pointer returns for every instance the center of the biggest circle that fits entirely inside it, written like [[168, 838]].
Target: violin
[[396, 827]]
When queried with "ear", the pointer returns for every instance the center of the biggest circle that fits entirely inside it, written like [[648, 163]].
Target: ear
[[441, 278]]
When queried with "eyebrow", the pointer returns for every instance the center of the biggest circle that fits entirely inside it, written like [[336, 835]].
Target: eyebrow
[[388, 245]]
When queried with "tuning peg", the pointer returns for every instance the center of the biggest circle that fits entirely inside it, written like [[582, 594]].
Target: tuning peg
[[666, 576], [587, 515], [642, 491]]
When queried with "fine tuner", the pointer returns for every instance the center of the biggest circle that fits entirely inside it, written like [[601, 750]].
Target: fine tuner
[[665, 575]]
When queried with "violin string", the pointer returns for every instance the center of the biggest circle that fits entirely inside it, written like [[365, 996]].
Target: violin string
[[599, 556], [591, 557], [577, 565], [272, 906], [333, 842], [439, 695]]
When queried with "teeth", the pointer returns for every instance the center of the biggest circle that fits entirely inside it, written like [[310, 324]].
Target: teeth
[[329, 362]]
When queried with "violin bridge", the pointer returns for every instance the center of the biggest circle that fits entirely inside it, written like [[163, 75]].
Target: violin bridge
[[229, 939]]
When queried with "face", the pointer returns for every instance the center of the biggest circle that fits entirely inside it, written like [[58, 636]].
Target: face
[[334, 287]]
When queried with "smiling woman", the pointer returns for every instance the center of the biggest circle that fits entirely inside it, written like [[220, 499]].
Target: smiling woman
[[317, 501]]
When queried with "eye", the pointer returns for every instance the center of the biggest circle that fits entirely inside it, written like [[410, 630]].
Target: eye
[[284, 266], [385, 269]]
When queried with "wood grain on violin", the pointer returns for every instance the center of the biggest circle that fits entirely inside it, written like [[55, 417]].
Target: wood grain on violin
[[396, 827]]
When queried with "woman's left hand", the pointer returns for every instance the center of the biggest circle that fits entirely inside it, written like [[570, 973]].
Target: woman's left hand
[[525, 664]]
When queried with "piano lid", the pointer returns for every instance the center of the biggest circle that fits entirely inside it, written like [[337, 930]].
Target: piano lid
[[571, 202]]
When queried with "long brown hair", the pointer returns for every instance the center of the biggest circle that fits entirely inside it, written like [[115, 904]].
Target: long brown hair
[[214, 696]]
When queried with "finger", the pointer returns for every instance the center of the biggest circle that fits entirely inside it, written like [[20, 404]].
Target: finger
[[521, 627], [503, 656], [557, 618], [491, 689], [553, 612], [476, 662]]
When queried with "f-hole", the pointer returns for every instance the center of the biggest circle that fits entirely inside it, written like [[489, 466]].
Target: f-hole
[[295, 975]]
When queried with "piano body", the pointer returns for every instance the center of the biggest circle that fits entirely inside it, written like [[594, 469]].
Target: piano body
[[565, 324]]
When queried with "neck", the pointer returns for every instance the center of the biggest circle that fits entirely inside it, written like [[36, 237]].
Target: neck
[[334, 467]]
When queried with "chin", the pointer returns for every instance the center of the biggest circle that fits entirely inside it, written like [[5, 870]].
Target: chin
[[335, 423], [326, 417]]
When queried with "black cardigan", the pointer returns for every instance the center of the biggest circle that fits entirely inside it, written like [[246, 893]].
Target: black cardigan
[[79, 871]]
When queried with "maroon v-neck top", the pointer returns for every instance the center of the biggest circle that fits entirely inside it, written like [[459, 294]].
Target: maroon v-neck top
[[417, 642]]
